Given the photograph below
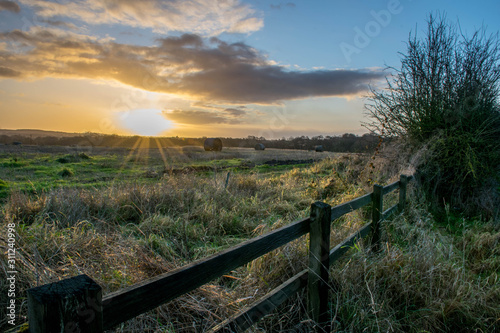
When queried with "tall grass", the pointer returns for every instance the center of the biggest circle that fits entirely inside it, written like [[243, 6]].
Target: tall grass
[[425, 279], [429, 276]]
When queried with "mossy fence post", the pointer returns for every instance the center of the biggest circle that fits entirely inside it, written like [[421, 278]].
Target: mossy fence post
[[377, 209], [319, 264], [71, 305]]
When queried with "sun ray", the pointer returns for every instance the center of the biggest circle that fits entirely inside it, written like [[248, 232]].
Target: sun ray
[[126, 159], [162, 153]]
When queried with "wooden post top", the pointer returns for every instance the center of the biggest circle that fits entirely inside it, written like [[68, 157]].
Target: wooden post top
[[53, 292]]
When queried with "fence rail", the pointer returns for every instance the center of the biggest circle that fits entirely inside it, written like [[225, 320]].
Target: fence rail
[[77, 303]]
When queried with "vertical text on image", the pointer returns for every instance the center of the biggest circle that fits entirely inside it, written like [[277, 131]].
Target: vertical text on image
[[11, 273]]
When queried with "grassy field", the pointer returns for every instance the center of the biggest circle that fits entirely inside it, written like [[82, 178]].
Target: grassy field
[[41, 168], [124, 215]]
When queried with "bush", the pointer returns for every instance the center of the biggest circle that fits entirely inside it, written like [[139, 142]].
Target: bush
[[444, 100]]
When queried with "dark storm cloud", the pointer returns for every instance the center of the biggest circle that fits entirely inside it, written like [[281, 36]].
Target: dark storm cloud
[[10, 6], [210, 71]]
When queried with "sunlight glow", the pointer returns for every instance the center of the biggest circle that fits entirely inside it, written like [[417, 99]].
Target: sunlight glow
[[146, 122]]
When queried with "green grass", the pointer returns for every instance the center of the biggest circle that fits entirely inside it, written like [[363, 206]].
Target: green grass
[[4, 189]]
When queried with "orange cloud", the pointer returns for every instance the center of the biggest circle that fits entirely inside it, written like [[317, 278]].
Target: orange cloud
[[206, 17], [210, 71]]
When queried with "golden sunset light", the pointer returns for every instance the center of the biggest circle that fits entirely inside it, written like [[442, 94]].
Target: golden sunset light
[[228, 66], [149, 122], [209, 166]]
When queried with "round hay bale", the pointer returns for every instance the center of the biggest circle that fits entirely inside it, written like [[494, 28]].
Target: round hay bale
[[260, 146], [319, 148], [213, 144]]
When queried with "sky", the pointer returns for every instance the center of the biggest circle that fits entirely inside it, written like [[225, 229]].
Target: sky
[[196, 68]]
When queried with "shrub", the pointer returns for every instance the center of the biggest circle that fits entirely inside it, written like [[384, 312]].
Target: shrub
[[445, 100]]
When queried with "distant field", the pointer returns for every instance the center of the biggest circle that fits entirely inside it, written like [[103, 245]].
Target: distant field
[[42, 167]]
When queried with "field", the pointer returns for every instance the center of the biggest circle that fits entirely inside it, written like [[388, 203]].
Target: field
[[48, 167], [124, 215]]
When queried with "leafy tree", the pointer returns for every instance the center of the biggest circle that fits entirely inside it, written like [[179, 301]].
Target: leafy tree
[[445, 97]]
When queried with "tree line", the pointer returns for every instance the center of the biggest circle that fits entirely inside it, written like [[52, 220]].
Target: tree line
[[344, 143]]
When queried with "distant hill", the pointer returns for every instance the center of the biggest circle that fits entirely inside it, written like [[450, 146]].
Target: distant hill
[[37, 133]]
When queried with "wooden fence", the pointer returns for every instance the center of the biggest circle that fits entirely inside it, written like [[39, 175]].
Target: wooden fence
[[77, 305]]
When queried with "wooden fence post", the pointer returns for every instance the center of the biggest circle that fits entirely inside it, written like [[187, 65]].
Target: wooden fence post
[[403, 182], [377, 210], [319, 264], [71, 305]]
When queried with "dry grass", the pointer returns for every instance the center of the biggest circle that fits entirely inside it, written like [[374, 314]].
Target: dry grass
[[426, 278]]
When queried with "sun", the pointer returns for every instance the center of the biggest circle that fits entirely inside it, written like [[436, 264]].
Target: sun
[[145, 122]]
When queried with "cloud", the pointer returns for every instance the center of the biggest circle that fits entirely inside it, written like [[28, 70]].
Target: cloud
[[205, 17], [210, 114], [10, 6], [7, 72], [235, 112], [247, 83], [211, 71], [59, 23], [198, 117]]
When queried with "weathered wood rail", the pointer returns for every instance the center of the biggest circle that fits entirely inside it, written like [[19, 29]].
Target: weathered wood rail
[[77, 304]]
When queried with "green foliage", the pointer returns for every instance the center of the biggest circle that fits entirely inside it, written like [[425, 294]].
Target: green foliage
[[4, 189], [445, 100], [66, 172], [84, 156], [73, 158], [63, 160]]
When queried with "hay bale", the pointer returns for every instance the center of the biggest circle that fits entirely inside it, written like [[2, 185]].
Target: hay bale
[[260, 146], [319, 148], [213, 144]]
